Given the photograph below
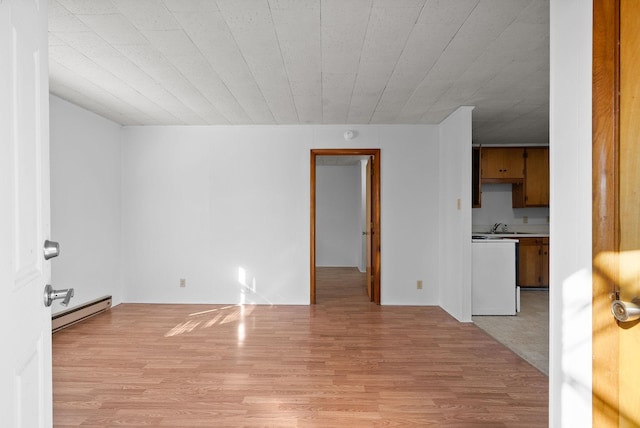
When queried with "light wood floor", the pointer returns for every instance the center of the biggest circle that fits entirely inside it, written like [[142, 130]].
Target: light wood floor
[[341, 363]]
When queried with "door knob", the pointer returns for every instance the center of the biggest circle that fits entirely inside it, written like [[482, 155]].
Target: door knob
[[51, 249], [625, 311], [50, 295]]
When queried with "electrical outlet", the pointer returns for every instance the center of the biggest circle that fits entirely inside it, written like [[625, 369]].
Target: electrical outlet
[[525, 219], [183, 282], [419, 285]]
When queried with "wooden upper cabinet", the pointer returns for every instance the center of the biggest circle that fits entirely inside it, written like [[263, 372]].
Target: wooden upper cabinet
[[526, 168], [502, 165], [537, 177], [534, 191]]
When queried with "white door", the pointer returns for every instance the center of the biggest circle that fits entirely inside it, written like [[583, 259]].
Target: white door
[[25, 358]]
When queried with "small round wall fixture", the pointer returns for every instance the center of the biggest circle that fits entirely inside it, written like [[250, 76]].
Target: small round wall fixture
[[349, 135]]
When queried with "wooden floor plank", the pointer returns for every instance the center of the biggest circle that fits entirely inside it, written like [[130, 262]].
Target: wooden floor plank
[[343, 362]]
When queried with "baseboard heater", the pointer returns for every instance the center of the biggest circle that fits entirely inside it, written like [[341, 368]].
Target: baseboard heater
[[79, 313]]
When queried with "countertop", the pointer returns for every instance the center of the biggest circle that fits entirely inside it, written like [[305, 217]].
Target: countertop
[[495, 240], [489, 237]]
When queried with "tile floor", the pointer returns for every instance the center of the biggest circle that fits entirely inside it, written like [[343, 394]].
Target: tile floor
[[526, 334]]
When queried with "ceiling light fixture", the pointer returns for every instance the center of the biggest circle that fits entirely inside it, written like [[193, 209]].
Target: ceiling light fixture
[[349, 135]]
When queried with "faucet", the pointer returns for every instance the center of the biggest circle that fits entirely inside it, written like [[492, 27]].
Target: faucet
[[494, 228]]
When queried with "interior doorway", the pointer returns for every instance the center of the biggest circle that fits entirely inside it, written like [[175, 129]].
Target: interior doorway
[[372, 222]]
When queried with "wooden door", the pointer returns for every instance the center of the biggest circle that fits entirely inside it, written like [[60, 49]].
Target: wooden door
[[616, 210], [369, 228], [25, 360], [537, 177], [629, 208]]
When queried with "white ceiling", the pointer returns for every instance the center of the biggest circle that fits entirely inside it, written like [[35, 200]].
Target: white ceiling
[[210, 62]]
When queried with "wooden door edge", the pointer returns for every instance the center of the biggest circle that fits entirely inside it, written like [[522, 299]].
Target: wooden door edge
[[605, 130], [377, 261], [312, 250]]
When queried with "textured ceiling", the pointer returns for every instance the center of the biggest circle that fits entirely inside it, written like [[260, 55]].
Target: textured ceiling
[[210, 62]]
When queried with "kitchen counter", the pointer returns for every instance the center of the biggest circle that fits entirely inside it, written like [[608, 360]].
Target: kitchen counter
[[493, 240], [497, 236], [493, 283]]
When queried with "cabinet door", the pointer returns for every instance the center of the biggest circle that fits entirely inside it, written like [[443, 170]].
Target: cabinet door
[[502, 164], [475, 178], [529, 263], [513, 163], [544, 274], [536, 184], [491, 163]]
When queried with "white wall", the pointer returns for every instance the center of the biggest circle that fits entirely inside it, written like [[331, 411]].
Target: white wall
[[202, 202], [363, 226], [85, 203], [570, 269], [455, 214], [497, 207], [338, 203]]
